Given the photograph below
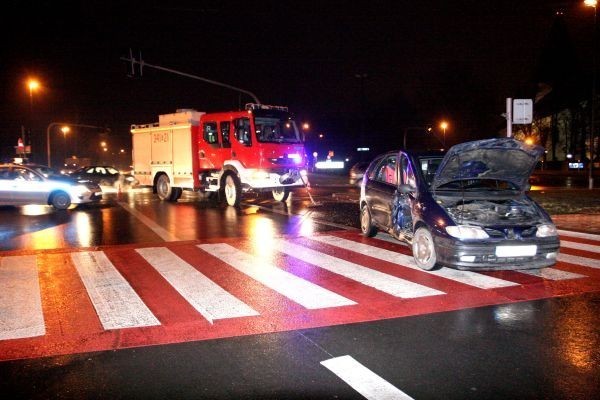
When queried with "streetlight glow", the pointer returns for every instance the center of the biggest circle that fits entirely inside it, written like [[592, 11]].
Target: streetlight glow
[[33, 85], [590, 3], [65, 129], [444, 126]]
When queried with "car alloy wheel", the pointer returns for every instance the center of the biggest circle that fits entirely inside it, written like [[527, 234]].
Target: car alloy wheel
[[424, 249]]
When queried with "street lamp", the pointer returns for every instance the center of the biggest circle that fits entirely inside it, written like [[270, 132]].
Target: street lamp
[[444, 126], [592, 3], [33, 85], [65, 129]]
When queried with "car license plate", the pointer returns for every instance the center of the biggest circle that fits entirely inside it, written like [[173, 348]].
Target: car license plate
[[516, 251]]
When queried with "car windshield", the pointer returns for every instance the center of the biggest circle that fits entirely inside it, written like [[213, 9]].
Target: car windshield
[[276, 128], [478, 185], [429, 166]]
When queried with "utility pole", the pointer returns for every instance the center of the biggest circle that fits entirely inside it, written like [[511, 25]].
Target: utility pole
[[143, 64]]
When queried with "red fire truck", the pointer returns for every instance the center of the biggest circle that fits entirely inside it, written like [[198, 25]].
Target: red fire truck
[[257, 149]]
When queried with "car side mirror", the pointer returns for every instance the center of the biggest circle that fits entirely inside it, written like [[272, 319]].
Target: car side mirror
[[404, 188]]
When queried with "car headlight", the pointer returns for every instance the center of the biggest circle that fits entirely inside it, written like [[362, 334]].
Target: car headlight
[[466, 232], [546, 230]]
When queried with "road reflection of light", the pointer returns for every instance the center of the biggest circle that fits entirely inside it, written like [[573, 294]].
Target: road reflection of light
[[35, 209], [514, 315], [83, 229], [307, 227], [577, 335], [262, 233], [47, 239]]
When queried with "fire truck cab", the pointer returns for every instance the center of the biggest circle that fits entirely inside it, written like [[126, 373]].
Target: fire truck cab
[[257, 149]]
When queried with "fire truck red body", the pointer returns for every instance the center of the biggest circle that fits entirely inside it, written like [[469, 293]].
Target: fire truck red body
[[257, 149]]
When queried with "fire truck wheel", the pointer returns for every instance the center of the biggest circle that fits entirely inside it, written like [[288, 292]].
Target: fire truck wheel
[[233, 189], [163, 187], [281, 194]]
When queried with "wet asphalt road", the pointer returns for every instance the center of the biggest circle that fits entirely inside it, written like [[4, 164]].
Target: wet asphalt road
[[530, 350]]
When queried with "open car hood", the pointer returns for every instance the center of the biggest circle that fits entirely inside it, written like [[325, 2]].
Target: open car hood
[[504, 159]]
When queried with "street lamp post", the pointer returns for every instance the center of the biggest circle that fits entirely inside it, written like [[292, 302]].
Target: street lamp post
[[592, 3], [444, 126], [33, 85], [64, 130]]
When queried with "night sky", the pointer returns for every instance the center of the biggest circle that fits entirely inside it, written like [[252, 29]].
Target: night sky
[[356, 72]]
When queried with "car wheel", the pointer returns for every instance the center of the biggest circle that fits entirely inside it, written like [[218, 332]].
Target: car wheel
[[366, 223], [424, 249], [61, 201], [163, 187], [281, 194], [232, 189]]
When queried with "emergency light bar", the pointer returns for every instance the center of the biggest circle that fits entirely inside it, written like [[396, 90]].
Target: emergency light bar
[[255, 106]]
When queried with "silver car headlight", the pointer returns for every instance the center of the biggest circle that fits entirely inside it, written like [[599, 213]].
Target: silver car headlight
[[466, 232], [546, 230]]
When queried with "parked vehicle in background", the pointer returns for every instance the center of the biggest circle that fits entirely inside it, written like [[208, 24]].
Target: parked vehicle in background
[[466, 209], [104, 175], [24, 185], [357, 171], [258, 149]]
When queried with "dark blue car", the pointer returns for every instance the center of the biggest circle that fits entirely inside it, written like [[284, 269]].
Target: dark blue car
[[466, 209]]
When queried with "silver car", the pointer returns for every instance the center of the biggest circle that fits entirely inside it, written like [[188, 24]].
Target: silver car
[[23, 185]]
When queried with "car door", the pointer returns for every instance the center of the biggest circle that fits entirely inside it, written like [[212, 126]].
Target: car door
[[29, 187], [6, 185], [404, 199], [381, 189]]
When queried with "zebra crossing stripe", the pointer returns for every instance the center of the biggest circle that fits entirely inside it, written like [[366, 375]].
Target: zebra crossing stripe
[[209, 299], [381, 281], [584, 261], [581, 235], [363, 380], [21, 314], [552, 274], [466, 277], [303, 292], [580, 246], [115, 301]]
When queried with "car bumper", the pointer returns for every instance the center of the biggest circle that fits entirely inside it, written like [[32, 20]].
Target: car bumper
[[88, 197], [482, 255]]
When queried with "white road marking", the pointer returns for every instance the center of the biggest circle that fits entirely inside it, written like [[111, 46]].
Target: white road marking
[[580, 246], [297, 289], [363, 380], [579, 234], [552, 274], [466, 277], [154, 227], [115, 301], [381, 281], [583, 261], [21, 314], [208, 298]]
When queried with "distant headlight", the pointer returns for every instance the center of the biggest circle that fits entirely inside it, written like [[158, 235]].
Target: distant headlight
[[466, 232], [546, 230]]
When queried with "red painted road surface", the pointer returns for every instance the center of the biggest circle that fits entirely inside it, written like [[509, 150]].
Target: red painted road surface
[[356, 272]]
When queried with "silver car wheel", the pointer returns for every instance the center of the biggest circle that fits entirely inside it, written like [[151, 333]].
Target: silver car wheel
[[424, 249]]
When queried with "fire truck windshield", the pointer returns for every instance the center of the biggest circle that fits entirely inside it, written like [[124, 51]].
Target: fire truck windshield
[[274, 129]]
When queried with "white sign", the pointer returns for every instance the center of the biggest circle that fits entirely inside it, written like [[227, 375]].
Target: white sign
[[522, 111]]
